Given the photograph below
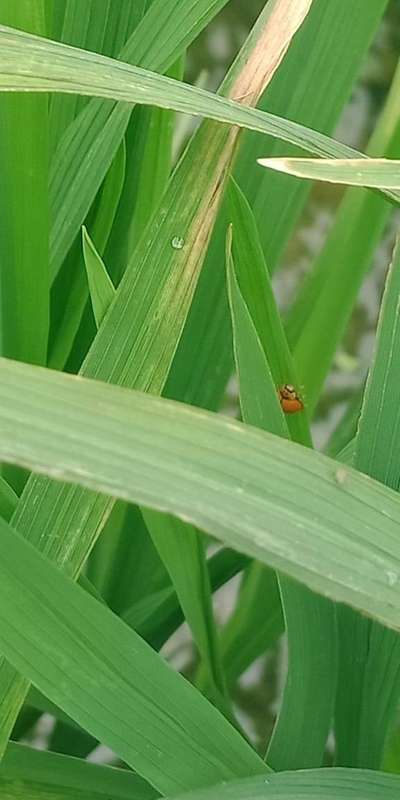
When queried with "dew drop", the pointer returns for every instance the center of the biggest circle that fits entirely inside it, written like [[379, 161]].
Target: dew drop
[[340, 476], [177, 242], [392, 578]]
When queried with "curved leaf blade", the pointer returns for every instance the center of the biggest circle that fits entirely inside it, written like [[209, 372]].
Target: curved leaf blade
[[292, 508], [318, 784], [103, 675], [30, 63], [25, 772], [374, 173]]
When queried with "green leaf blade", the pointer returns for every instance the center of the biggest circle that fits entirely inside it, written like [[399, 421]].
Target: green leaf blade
[[336, 517], [103, 675], [101, 287]]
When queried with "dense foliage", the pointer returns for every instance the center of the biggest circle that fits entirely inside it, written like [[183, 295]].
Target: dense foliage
[[138, 310]]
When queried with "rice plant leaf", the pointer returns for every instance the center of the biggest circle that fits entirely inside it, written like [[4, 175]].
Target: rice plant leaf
[[125, 550], [255, 624], [256, 290], [258, 392], [158, 615], [68, 313], [109, 198], [303, 724], [346, 429], [55, 12], [366, 706], [151, 163], [107, 678], [374, 173], [24, 241], [30, 63], [27, 773], [8, 499], [303, 91], [78, 28], [183, 552], [89, 145], [379, 425], [148, 163], [191, 463], [327, 296], [136, 343], [321, 784], [102, 290]]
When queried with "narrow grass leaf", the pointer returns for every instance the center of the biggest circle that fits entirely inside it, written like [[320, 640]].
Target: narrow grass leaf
[[148, 165], [31, 64], [67, 314], [366, 706], [255, 624], [124, 564], [90, 143], [55, 12], [8, 499], [379, 425], [102, 290], [347, 426], [328, 294], [308, 699], [75, 30], [159, 615], [256, 289], [153, 170], [111, 682], [27, 773], [303, 91], [374, 173], [258, 393], [24, 240], [182, 550]]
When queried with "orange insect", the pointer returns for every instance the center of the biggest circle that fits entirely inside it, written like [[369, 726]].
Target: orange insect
[[289, 399]]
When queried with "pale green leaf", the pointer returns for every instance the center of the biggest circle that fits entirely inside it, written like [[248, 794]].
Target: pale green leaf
[[295, 509], [374, 173]]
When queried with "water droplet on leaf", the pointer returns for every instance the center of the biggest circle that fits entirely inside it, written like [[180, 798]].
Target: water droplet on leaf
[[177, 242], [392, 578]]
